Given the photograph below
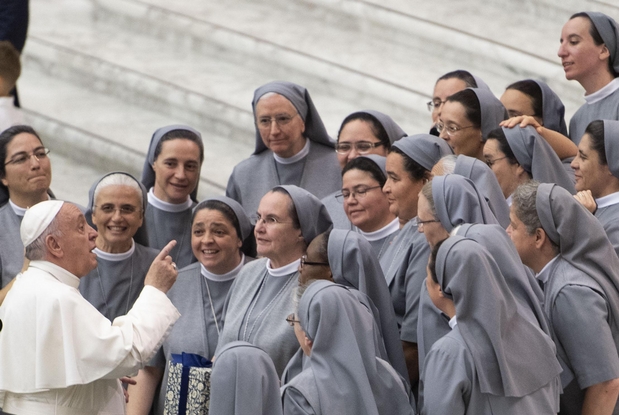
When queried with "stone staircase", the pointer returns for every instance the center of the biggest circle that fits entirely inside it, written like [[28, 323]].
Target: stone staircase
[[101, 75]]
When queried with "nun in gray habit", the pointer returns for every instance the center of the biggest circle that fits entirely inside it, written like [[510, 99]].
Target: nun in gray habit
[[537, 158], [175, 223], [200, 296], [334, 206], [317, 171], [456, 201], [494, 360], [485, 180], [404, 261], [581, 295], [244, 382], [258, 303], [343, 374], [117, 281], [604, 103]]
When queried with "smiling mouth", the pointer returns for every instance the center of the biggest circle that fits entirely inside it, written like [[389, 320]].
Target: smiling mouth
[[210, 251], [116, 228]]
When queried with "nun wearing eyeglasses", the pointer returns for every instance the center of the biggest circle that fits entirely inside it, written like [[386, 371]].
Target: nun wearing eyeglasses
[[244, 382], [292, 148], [493, 360], [171, 174], [362, 133], [116, 206], [343, 374], [260, 298]]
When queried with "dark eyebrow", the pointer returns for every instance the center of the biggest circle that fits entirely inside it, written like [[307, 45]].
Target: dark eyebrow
[[25, 152]]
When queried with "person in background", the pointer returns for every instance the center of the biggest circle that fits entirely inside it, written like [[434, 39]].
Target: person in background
[[10, 69], [14, 16]]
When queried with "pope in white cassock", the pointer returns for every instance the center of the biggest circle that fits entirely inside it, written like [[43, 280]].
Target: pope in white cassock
[[58, 354]]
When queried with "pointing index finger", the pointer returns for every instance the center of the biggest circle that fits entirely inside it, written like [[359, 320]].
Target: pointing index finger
[[166, 250]]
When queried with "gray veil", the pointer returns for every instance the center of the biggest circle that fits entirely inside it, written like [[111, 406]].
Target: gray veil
[[313, 216]]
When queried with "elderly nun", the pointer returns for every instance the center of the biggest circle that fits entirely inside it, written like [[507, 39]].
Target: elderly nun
[[493, 360], [116, 205], [292, 148], [288, 219], [344, 374], [171, 174], [567, 248], [362, 133], [244, 382], [597, 175]]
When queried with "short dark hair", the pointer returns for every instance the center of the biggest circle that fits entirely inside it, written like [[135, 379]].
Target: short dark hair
[[180, 134], [323, 248], [10, 66], [377, 128], [531, 89], [367, 165], [415, 170], [5, 139], [499, 135], [597, 38], [292, 210], [464, 76], [470, 102], [595, 130]]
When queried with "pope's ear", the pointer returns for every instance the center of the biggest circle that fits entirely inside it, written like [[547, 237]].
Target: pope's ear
[[53, 247]]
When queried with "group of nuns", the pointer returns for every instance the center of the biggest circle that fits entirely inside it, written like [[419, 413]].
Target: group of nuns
[[470, 270]]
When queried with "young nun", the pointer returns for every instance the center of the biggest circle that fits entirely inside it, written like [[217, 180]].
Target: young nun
[[288, 219], [532, 102], [292, 148], [445, 204], [361, 133], [577, 267], [171, 173], [218, 231], [589, 53], [519, 154], [365, 205], [244, 382], [116, 205], [597, 175], [343, 374], [25, 176], [403, 263], [466, 119], [483, 178], [493, 360]]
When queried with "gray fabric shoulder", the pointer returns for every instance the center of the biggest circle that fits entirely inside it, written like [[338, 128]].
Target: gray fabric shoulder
[[11, 247], [609, 218], [300, 396], [606, 109]]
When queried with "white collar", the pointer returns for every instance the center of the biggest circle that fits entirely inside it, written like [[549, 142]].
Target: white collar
[[222, 277], [285, 270], [608, 200], [383, 232], [453, 322], [542, 276], [108, 256], [57, 272], [166, 206], [20, 211], [509, 200], [602, 93], [300, 155]]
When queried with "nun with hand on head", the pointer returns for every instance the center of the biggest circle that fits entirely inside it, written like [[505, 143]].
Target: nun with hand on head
[[171, 174], [408, 168], [466, 119], [292, 148], [532, 103], [288, 219], [220, 236], [362, 133], [116, 206], [493, 360], [244, 382], [343, 374], [445, 204], [597, 175]]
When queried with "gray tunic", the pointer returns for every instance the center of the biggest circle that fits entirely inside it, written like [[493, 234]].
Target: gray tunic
[[321, 176], [609, 218], [114, 286], [449, 385], [271, 332], [11, 247], [404, 264], [604, 109], [336, 211], [195, 331], [578, 316], [164, 226]]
